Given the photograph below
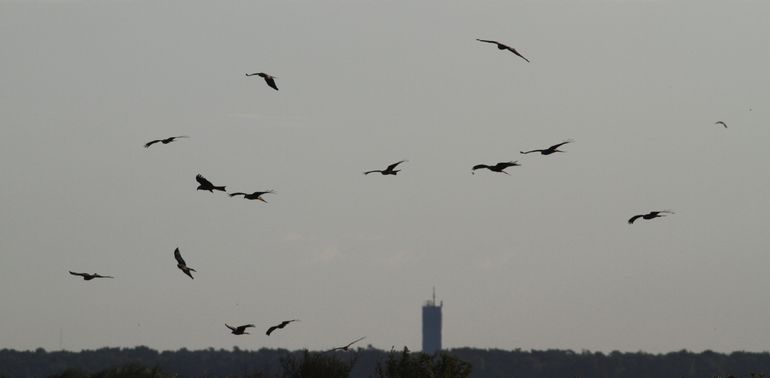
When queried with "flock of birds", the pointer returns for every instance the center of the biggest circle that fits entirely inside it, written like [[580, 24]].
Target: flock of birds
[[206, 185]]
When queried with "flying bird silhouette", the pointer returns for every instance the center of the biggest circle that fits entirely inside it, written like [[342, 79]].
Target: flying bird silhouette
[[499, 167], [550, 150], [182, 265], [269, 79], [89, 277], [240, 330], [207, 185], [164, 141], [346, 347], [390, 170], [253, 196], [280, 326], [503, 46], [721, 123], [650, 215]]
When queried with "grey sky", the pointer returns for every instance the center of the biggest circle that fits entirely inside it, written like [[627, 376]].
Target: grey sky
[[542, 258]]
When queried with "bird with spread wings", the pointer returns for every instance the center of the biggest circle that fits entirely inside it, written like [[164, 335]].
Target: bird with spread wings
[[182, 265], [269, 79], [499, 167], [390, 170], [88, 276], [164, 141], [502, 46], [280, 326]]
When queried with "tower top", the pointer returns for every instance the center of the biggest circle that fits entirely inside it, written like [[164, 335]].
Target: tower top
[[432, 302]]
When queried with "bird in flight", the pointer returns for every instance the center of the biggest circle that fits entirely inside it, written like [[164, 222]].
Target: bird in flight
[[253, 196], [269, 79], [182, 265], [549, 150], [207, 185], [499, 167], [650, 215], [164, 141], [89, 277], [503, 46], [721, 123], [240, 330], [280, 326], [390, 170], [346, 347]]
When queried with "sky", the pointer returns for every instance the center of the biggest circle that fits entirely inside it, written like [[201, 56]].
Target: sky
[[541, 258]]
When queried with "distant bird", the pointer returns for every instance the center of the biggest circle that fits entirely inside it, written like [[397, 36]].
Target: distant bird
[[207, 185], [269, 79], [549, 150], [721, 123], [650, 215], [253, 196], [240, 330], [164, 141], [182, 265], [346, 347], [390, 170], [499, 167], [503, 46], [89, 277], [283, 324]]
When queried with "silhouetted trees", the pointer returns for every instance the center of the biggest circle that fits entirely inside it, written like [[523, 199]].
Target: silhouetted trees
[[364, 362], [317, 365], [419, 365]]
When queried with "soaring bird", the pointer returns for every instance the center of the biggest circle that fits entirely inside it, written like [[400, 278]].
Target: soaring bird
[[346, 347], [390, 170], [207, 185], [240, 330], [182, 265], [89, 277], [549, 150], [503, 46], [269, 79], [164, 141], [650, 215], [721, 123], [499, 167], [253, 196], [283, 324]]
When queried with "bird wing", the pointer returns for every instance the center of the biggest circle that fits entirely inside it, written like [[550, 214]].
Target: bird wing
[[179, 136], [488, 41], [530, 151], [555, 146], [150, 143], [394, 165], [354, 341], [511, 49], [252, 74], [178, 257], [721, 123], [479, 166], [77, 274], [97, 275], [228, 326], [237, 194], [202, 180], [368, 172], [271, 82], [270, 330], [506, 164], [635, 217], [243, 327]]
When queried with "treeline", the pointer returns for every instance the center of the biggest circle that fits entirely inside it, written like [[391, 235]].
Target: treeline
[[366, 363]]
